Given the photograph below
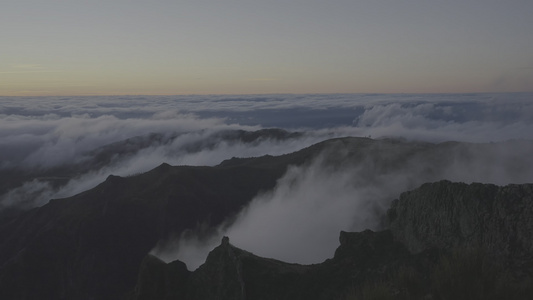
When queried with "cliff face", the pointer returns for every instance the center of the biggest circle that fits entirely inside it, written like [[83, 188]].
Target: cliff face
[[448, 215]]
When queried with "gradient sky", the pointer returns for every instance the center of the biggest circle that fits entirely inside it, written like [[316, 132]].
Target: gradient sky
[[238, 47]]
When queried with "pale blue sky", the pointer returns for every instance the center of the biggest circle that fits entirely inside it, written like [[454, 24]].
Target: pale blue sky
[[235, 47]]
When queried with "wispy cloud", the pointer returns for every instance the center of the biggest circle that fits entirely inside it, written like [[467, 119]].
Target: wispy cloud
[[27, 68], [262, 79], [28, 71]]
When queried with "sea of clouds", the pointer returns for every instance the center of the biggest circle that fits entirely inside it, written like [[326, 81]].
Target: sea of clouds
[[42, 134], [47, 131]]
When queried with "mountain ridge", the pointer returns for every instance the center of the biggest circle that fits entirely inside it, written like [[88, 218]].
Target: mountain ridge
[[92, 245]]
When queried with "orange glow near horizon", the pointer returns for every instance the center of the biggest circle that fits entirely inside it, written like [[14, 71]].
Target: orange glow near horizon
[[124, 48]]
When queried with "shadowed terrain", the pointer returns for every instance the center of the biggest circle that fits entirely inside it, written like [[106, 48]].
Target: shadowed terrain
[[93, 245]]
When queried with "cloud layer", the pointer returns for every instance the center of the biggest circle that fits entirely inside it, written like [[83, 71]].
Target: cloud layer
[[49, 132]]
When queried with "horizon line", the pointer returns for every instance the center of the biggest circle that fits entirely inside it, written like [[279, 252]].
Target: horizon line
[[254, 94]]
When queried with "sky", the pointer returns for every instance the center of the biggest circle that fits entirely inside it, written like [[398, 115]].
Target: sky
[[262, 47]]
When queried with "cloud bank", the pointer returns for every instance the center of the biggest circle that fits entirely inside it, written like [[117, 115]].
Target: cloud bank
[[47, 133]]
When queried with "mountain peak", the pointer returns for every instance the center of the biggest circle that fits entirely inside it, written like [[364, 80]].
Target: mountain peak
[[225, 241]]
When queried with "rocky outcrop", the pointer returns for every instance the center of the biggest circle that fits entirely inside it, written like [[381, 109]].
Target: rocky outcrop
[[158, 280], [447, 215], [221, 277]]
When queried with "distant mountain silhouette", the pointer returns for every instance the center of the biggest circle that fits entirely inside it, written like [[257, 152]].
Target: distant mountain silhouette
[[93, 160], [102, 156]]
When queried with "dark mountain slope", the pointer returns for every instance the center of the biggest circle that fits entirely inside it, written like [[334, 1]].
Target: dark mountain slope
[[59, 175], [233, 273], [90, 246], [98, 238]]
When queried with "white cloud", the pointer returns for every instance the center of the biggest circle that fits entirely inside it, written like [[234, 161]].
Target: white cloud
[[51, 141], [45, 132]]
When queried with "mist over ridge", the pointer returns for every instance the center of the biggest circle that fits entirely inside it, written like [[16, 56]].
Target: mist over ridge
[[47, 131], [55, 147]]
